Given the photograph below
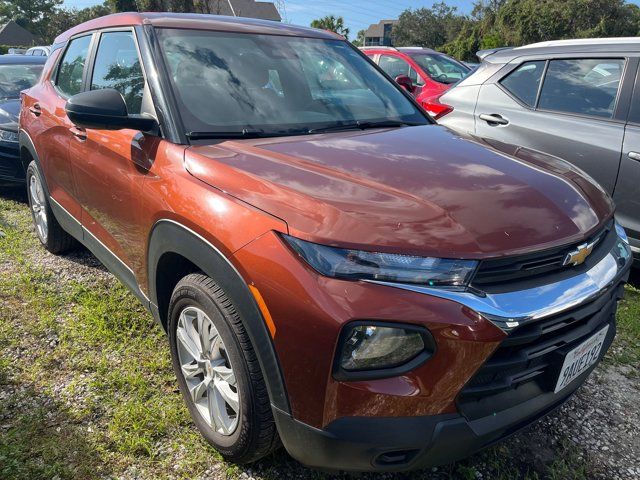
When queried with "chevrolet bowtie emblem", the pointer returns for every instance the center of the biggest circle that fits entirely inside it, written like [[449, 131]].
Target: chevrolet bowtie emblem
[[579, 255]]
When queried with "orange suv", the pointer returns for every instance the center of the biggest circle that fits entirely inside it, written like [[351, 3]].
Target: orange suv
[[333, 270]]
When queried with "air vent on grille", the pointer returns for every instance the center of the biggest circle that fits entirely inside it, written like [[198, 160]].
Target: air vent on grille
[[496, 274]]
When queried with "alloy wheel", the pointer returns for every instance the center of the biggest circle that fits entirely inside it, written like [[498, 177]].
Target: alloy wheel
[[207, 371], [38, 207]]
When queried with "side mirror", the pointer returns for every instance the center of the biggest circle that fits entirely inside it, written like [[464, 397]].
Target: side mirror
[[105, 109], [405, 82]]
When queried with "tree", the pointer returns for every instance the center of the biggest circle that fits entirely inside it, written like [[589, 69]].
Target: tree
[[428, 27], [122, 5], [332, 23], [359, 41], [64, 18], [34, 15]]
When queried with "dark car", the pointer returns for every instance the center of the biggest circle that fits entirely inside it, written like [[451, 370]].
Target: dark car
[[578, 100], [333, 269], [17, 73]]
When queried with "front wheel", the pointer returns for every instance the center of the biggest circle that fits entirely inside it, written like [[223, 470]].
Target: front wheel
[[48, 230], [218, 372]]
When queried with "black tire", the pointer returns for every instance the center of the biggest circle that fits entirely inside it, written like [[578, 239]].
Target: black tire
[[56, 240], [255, 435]]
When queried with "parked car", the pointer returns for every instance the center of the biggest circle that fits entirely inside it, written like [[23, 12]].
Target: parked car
[[332, 268], [16, 51], [41, 51], [423, 72], [17, 72], [576, 99]]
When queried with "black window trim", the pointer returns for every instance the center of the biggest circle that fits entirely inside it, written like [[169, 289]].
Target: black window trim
[[633, 114], [629, 61], [92, 58], [53, 79]]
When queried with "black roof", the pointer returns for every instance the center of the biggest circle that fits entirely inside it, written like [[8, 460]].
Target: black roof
[[22, 60]]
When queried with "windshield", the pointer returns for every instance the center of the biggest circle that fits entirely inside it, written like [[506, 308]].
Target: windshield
[[441, 68], [276, 85], [15, 78]]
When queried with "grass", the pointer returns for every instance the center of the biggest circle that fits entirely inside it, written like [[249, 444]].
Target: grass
[[87, 390]]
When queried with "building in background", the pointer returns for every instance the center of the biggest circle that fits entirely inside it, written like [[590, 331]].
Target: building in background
[[379, 33], [245, 8], [13, 34]]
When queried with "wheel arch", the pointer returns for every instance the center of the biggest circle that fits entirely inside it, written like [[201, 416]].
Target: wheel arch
[[175, 251], [28, 154]]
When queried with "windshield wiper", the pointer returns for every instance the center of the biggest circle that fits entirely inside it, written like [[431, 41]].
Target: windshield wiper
[[244, 133], [365, 125]]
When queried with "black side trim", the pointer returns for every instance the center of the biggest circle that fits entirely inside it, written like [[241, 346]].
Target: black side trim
[[109, 259], [169, 237], [67, 221]]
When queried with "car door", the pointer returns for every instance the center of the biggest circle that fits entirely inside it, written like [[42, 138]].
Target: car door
[[51, 129], [627, 191], [567, 107], [110, 165], [393, 65]]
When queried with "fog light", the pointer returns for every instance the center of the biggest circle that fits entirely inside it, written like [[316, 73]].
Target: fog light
[[381, 350]]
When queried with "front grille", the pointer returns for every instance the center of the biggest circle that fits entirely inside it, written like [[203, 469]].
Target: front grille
[[523, 271], [527, 363]]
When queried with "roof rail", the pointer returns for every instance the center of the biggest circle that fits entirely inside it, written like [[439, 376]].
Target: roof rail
[[482, 54], [378, 47]]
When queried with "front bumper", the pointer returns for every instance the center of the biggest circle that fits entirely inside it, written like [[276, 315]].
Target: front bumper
[[421, 418]]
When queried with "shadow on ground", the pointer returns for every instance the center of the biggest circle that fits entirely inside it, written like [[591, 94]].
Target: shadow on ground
[[38, 438]]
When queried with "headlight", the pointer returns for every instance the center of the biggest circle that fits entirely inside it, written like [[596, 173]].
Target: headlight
[[8, 136], [387, 267], [621, 233], [378, 350]]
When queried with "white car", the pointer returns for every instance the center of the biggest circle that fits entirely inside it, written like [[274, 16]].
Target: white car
[[40, 51]]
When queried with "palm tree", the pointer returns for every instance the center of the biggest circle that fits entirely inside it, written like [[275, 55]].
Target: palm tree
[[332, 23]]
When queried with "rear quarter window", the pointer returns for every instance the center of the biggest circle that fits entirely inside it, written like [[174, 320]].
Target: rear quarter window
[[524, 82]]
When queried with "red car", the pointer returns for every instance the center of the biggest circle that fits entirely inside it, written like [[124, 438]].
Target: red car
[[333, 269], [425, 73]]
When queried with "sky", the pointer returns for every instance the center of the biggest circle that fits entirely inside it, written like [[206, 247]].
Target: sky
[[358, 14]]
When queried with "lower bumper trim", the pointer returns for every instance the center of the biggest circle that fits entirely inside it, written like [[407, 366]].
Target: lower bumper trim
[[407, 443]]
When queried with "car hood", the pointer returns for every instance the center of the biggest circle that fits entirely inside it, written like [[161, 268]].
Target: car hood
[[9, 111], [418, 190]]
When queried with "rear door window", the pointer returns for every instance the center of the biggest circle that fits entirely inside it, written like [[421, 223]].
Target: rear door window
[[69, 79], [582, 86], [393, 66], [524, 82], [117, 66]]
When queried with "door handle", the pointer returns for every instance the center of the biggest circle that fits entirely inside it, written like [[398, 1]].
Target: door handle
[[79, 133], [494, 119], [634, 156], [35, 109]]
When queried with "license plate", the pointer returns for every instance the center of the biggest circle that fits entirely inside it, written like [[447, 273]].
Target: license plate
[[581, 358]]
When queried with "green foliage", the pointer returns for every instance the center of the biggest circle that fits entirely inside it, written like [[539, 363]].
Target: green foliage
[[359, 41], [498, 23], [332, 23], [5, 48], [428, 27], [33, 15]]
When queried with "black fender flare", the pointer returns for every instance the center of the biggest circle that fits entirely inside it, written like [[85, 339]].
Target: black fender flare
[[24, 141], [169, 236]]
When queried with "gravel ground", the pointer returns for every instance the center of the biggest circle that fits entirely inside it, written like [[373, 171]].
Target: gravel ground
[[594, 435]]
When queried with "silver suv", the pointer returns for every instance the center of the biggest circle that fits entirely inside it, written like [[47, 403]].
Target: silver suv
[[576, 99]]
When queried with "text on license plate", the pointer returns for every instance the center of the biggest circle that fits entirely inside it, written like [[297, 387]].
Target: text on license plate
[[581, 358]]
